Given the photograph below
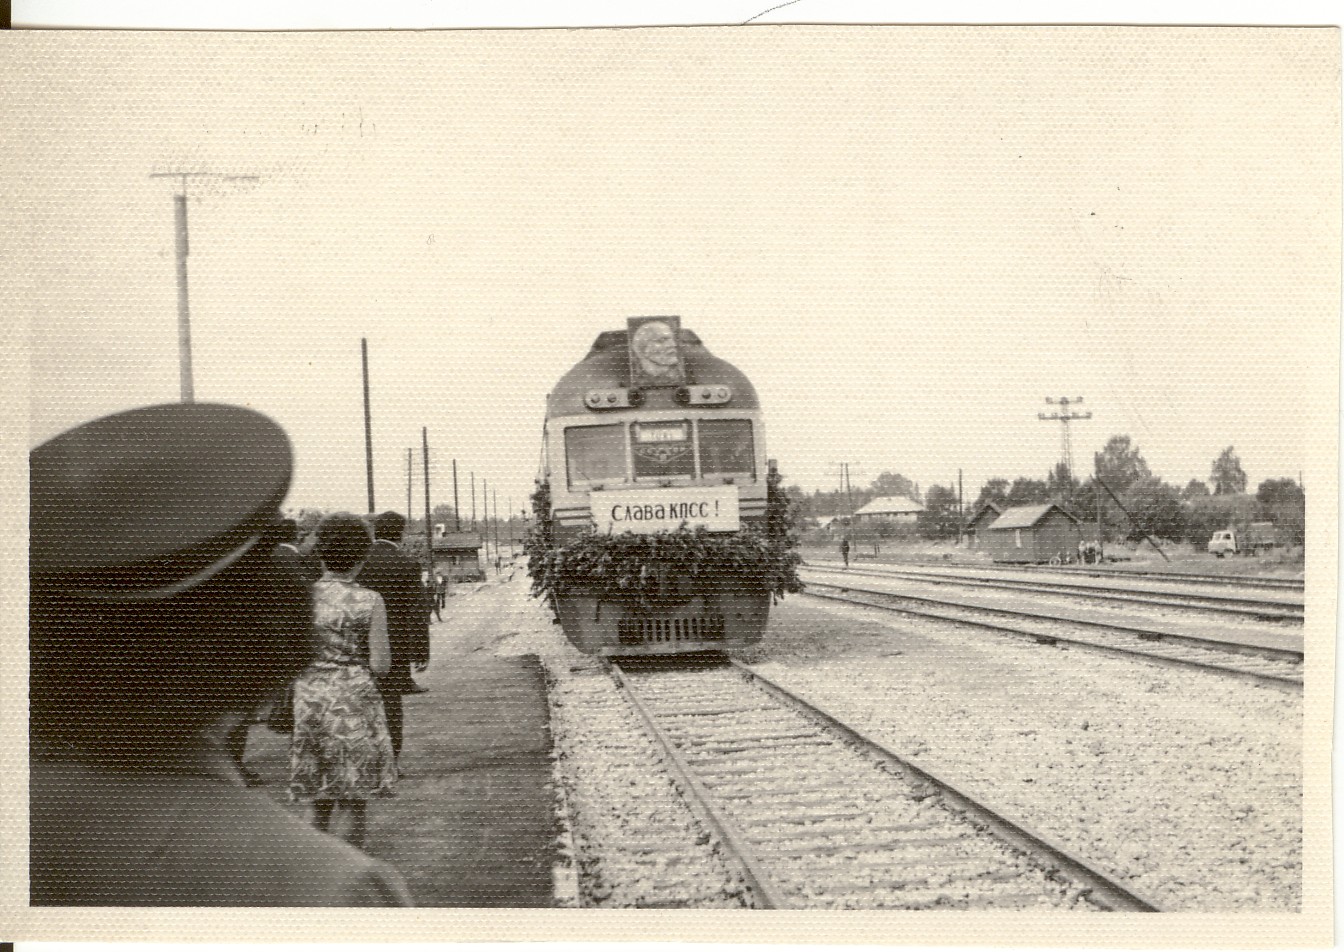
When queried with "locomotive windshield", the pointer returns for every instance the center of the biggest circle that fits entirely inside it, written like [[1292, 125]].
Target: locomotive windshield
[[660, 450], [726, 447], [595, 453]]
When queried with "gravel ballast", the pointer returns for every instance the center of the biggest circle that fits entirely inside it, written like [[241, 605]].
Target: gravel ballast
[[1185, 785], [636, 842]]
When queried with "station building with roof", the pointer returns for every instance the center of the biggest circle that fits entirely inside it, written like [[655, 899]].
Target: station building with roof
[[893, 509], [1033, 534]]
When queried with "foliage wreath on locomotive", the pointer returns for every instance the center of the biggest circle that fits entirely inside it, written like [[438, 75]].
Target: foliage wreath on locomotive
[[661, 527]]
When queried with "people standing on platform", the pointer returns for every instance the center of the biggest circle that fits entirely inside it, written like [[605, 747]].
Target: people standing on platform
[[396, 577], [341, 754], [158, 619]]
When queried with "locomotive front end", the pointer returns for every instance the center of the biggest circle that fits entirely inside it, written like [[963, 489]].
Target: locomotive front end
[[657, 481]]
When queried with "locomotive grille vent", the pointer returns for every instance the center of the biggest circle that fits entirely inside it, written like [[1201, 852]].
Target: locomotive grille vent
[[644, 631]]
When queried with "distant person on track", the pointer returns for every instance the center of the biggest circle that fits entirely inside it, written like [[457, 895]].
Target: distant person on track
[[844, 551], [396, 577], [158, 620], [341, 754], [431, 587], [441, 590]]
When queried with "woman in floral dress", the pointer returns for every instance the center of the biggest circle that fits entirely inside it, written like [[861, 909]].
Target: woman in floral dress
[[342, 753]]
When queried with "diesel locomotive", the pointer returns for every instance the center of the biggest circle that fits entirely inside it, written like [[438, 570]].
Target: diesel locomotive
[[655, 465]]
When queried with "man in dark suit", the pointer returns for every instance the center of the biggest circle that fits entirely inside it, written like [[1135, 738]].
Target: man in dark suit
[[396, 577]]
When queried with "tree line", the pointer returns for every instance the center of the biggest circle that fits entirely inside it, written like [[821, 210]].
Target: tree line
[[1180, 514]]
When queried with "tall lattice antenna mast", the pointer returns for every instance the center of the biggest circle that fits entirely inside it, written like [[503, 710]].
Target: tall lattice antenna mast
[[1064, 415]]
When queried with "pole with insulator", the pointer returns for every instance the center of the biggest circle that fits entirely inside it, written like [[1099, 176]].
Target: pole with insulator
[[457, 517], [429, 529], [368, 424]]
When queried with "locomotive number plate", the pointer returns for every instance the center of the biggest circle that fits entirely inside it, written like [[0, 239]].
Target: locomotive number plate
[[646, 511], [662, 433]]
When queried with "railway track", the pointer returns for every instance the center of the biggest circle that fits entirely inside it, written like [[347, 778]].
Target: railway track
[[1259, 609], [1236, 581], [815, 815], [1277, 667]]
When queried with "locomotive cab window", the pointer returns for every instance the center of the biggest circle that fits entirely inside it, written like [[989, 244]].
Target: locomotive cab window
[[662, 450], [595, 454], [726, 448]]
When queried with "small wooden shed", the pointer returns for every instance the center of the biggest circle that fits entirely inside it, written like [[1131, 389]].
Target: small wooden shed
[[458, 556], [1033, 534], [983, 518]]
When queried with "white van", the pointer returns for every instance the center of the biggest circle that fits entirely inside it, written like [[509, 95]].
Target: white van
[[1224, 541]]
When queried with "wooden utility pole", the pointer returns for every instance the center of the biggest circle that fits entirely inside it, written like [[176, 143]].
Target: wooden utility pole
[[494, 494], [1133, 521], [1096, 470], [368, 425], [183, 301], [485, 505], [183, 248], [961, 511], [457, 511], [473, 500], [429, 529], [847, 488]]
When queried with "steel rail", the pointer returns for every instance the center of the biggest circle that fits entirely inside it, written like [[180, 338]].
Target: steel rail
[[1051, 638], [1072, 586], [768, 893], [1243, 581], [1196, 601], [1189, 578], [1228, 647], [1010, 829]]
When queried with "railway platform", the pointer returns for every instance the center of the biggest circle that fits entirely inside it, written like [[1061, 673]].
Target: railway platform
[[473, 820]]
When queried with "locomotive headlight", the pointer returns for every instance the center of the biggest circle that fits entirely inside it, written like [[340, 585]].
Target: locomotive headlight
[[702, 396], [615, 399]]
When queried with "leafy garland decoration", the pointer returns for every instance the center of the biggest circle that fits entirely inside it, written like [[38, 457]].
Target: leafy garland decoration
[[662, 569]]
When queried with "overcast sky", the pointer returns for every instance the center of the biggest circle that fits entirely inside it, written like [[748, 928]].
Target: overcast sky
[[907, 238]]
